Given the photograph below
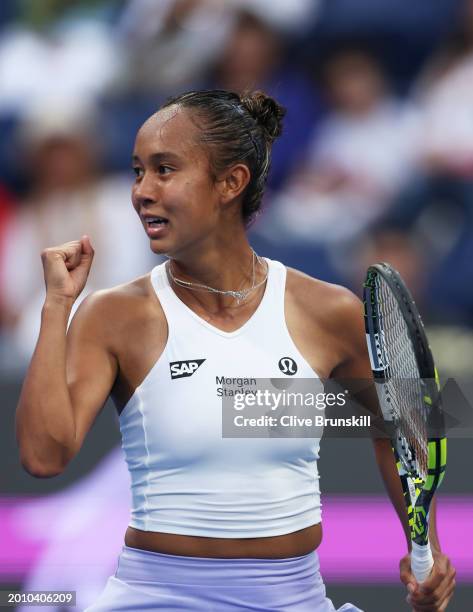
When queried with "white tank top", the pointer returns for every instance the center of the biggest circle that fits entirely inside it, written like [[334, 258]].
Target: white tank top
[[186, 478]]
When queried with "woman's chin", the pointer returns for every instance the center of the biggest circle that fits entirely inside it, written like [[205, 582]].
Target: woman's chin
[[158, 247]]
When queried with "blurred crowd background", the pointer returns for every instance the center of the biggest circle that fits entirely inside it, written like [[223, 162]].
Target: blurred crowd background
[[375, 163]]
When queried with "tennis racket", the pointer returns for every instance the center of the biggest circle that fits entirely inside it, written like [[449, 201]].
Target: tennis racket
[[407, 385]]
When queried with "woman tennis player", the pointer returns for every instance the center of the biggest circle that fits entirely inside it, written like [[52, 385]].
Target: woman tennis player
[[217, 523]]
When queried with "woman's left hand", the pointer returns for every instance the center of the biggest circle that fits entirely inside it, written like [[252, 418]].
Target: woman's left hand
[[434, 593]]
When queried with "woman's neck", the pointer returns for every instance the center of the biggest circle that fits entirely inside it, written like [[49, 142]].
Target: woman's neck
[[208, 280]]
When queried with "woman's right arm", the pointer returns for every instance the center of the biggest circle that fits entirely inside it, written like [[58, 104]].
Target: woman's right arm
[[69, 377]]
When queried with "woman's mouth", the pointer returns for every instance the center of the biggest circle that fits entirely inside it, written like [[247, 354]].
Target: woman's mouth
[[156, 226]]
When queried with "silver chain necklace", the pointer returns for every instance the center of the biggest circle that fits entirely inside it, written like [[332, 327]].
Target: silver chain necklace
[[239, 295]]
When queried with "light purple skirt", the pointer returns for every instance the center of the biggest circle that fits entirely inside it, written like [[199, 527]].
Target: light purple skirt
[[154, 581]]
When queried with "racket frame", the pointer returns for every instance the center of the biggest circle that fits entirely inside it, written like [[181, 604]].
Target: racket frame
[[418, 493]]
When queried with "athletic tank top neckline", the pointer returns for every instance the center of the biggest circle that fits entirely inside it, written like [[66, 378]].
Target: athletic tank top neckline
[[160, 271]]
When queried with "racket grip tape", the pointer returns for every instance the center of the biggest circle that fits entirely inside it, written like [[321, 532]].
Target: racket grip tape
[[421, 561]]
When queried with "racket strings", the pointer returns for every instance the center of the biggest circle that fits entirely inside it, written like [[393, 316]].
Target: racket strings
[[403, 388]]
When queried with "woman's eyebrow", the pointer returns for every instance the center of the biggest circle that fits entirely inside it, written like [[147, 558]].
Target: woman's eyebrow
[[156, 158]]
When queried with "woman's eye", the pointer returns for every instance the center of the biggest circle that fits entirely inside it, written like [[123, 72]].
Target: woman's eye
[[138, 171], [162, 169]]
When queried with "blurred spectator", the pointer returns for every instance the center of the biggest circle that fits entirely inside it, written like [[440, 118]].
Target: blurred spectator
[[68, 58], [68, 197], [395, 247], [254, 57], [446, 97], [360, 156], [253, 53], [294, 17], [173, 42], [47, 13], [438, 202]]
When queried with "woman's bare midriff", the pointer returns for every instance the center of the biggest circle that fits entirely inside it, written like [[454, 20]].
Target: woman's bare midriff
[[293, 544]]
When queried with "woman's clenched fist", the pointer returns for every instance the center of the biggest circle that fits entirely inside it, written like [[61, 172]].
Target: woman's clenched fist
[[66, 268]]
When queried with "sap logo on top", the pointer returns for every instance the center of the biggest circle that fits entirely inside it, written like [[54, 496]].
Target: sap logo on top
[[180, 369]]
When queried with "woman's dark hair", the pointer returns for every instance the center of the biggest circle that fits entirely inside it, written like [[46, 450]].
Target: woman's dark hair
[[237, 129]]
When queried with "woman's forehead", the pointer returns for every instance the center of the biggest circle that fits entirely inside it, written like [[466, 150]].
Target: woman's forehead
[[171, 127]]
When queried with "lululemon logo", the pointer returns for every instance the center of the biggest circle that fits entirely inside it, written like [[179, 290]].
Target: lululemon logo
[[288, 366], [181, 369]]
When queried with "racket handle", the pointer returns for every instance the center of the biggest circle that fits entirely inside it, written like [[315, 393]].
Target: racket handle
[[421, 561]]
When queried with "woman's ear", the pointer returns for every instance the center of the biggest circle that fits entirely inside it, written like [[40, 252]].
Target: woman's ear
[[233, 182]]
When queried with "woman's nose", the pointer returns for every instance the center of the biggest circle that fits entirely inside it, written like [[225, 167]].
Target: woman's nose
[[144, 190]]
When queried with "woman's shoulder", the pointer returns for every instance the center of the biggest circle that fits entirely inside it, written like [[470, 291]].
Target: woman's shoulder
[[117, 307], [328, 303], [137, 289]]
